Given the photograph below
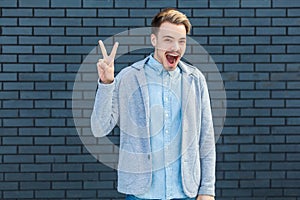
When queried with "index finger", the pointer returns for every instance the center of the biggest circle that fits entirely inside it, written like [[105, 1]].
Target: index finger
[[103, 50]]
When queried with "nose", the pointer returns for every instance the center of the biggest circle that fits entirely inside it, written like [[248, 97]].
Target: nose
[[175, 46]]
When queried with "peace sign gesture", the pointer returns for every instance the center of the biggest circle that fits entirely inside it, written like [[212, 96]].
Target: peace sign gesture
[[105, 66]]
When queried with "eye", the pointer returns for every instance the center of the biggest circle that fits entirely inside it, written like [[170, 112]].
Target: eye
[[182, 41], [168, 40]]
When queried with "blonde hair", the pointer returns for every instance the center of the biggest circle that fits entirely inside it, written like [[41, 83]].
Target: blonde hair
[[170, 15]]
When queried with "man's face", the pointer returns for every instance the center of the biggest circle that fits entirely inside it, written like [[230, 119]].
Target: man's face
[[169, 44]]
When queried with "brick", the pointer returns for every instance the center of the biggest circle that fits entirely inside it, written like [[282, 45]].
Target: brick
[[50, 159], [17, 122], [65, 40], [18, 159], [65, 4], [255, 3], [34, 76], [79, 49], [293, 85], [8, 59], [160, 4], [33, 150], [34, 185], [8, 21], [239, 12], [254, 183], [253, 76], [16, 31], [19, 12], [255, 112], [284, 76], [267, 67], [49, 12], [68, 168], [285, 22], [49, 104], [97, 4], [192, 4], [285, 3], [18, 104], [269, 121], [285, 39], [239, 85], [8, 150], [256, 21], [8, 3], [20, 176], [65, 21], [293, 12], [122, 12], [81, 12], [8, 40], [239, 67], [80, 30], [50, 122], [239, 157], [61, 113], [270, 31], [57, 176], [33, 40], [285, 58], [255, 40], [293, 121], [130, 4], [8, 113], [17, 68], [285, 130], [207, 13], [293, 49], [101, 185], [270, 49], [34, 95], [8, 186], [257, 148], [17, 86], [241, 121], [129, 22], [223, 40], [9, 168], [18, 194], [49, 67], [35, 167], [292, 103], [224, 22], [254, 58], [34, 113], [224, 4], [65, 59], [255, 130], [207, 31], [270, 85], [49, 49], [271, 12], [239, 31], [235, 192], [34, 22], [9, 95], [49, 140], [66, 185], [255, 166], [81, 194], [48, 31]]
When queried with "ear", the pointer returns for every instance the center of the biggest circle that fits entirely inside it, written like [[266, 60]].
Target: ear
[[153, 39]]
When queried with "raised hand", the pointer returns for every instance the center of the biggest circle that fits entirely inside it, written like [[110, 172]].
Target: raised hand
[[105, 66]]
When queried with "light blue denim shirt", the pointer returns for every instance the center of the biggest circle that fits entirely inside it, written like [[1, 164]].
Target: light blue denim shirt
[[165, 130]]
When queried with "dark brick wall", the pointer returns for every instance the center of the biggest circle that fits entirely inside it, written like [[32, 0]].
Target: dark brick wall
[[255, 44]]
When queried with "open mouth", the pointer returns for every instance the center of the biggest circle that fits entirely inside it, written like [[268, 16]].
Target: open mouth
[[172, 58]]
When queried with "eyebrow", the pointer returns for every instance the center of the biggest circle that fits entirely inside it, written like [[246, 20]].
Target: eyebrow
[[167, 36]]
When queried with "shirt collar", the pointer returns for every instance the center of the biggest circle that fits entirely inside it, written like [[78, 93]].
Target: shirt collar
[[158, 67]]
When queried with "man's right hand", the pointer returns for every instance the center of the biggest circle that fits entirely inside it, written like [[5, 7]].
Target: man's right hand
[[105, 66]]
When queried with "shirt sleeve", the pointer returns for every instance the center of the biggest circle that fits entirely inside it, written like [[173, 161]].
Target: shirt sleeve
[[207, 146]]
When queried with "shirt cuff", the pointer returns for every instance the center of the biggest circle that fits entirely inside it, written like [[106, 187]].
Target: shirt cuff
[[204, 190]]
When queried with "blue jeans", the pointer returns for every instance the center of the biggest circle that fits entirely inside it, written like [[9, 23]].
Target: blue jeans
[[132, 197]]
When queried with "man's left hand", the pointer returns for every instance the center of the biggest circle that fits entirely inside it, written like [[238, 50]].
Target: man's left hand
[[205, 197]]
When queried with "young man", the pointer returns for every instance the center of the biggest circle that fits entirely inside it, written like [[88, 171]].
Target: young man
[[162, 106]]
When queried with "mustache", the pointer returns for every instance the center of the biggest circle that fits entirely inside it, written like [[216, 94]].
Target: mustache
[[176, 52]]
